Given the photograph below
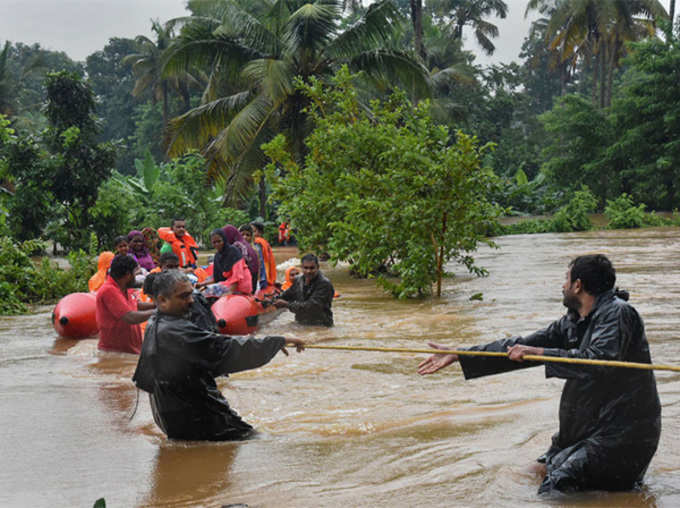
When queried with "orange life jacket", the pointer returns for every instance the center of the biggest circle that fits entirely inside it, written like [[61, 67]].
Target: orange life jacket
[[268, 258], [185, 247]]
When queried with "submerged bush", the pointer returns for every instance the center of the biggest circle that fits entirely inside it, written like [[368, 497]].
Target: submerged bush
[[622, 213], [22, 282]]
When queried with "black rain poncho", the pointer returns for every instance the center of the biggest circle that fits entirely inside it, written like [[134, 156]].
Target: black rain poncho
[[177, 367], [610, 418]]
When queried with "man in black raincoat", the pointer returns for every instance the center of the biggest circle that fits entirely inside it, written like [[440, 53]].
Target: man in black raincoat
[[179, 362], [311, 295], [610, 417]]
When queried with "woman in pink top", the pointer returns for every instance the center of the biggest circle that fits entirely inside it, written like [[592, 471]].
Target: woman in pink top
[[229, 268]]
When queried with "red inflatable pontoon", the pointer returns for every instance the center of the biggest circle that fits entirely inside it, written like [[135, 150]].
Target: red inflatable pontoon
[[75, 316], [243, 314]]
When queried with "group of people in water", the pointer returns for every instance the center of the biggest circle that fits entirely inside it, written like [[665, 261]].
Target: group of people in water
[[243, 263], [609, 417]]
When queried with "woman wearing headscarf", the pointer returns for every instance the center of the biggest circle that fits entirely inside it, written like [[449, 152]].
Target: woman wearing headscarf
[[103, 264], [139, 250], [234, 237], [230, 272], [291, 273]]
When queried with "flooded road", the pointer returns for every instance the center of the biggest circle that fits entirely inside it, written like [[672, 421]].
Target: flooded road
[[342, 428]]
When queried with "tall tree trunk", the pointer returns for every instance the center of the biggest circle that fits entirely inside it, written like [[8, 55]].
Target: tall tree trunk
[[417, 19], [603, 72], [165, 103], [594, 67], [671, 14], [613, 64], [263, 198]]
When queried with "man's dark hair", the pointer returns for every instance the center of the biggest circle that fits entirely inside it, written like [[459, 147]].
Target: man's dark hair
[[164, 282], [595, 271], [148, 284], [258, 225], [167, 257], [176, 219], [310, 257], [119, 239], [122, 265], [246, 227]]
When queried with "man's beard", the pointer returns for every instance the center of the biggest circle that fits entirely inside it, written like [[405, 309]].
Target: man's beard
[[571, 302]]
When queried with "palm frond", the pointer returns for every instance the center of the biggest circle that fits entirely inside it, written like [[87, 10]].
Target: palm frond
[[312, 26], [238, 137], [389, 69], [198, 127], [249, 30], [274, 78], [369, 32]]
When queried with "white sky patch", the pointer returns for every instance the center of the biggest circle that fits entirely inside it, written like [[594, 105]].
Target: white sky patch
[[81, 27]]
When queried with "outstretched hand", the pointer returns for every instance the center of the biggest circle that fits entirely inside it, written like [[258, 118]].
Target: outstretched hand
[[298, 343], [437, 361]]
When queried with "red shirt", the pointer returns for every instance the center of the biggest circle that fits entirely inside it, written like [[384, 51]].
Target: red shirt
[[114, 333]]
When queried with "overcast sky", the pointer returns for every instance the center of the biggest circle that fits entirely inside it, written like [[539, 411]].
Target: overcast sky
[[81, 27]]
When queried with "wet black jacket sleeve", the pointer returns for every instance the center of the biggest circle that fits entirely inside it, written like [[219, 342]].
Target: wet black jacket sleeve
[[311, 304]]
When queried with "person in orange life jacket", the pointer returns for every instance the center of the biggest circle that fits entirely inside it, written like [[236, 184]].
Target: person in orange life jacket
[[230, 272], [182, 243], [118, 312], [267, 253]]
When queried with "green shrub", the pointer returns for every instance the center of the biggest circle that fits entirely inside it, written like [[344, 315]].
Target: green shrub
[[574, 215], [23, 283], [622, 213]]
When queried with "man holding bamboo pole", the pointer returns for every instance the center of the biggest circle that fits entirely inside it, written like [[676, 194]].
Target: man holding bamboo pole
[[610, 417]]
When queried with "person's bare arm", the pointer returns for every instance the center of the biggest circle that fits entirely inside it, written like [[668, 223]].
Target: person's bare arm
[[437, 361], [134, 317]]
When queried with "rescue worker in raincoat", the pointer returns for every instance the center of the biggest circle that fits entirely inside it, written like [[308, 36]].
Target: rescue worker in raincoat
[[610, 417], [179, 362]]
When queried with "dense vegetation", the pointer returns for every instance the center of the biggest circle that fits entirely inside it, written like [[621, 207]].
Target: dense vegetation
[[147, 128]]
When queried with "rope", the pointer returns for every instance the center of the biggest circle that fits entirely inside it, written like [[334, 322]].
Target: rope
[[538, 358]]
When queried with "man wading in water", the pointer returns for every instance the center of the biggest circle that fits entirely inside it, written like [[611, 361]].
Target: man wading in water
[[310, 297], [610, 418], [179, 362]]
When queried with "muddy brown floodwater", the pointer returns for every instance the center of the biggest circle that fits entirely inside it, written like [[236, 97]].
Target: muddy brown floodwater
[[341, 428]]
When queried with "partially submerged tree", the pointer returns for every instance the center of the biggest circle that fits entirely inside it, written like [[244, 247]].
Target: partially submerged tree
[[385, 189]]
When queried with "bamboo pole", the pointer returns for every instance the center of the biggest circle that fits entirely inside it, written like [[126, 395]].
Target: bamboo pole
[[537, 358]]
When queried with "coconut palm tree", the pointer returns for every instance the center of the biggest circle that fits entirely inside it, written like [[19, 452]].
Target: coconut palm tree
[[596, 31], [472, 13], [253, 54], [147, 65]]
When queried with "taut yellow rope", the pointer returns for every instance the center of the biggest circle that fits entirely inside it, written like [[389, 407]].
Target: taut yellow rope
[[538, 358]]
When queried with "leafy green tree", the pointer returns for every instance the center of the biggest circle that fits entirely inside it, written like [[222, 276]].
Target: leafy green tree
[[112, 83], [578, 134], [645, 115], [252, 53], [78, 164], [157, 194], [22, 76], [385, 188]]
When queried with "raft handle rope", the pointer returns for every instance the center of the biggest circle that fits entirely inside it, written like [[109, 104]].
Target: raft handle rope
[[537, 358]]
